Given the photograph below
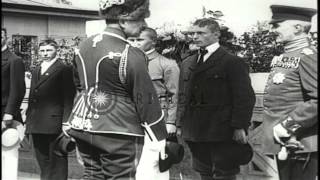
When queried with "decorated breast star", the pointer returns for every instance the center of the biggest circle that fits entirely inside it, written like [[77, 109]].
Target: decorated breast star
[[100, 98], [278, 78]]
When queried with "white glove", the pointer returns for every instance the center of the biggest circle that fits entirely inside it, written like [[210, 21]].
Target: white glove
[[283, 154], [280, 132]]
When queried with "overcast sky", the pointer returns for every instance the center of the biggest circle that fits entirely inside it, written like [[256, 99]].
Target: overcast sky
[[239, 15]]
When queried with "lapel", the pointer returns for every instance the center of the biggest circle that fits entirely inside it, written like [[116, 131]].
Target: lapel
[[192, 65], [36, 74], [215, 58], [50, 72]]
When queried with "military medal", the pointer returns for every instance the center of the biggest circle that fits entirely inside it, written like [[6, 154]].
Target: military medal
[[278, 78]]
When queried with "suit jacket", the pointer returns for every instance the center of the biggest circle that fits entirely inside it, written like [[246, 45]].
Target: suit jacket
[[12, 84], [216, 97], [50, 100]]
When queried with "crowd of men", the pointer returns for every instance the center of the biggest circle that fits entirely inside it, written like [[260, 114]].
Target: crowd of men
[[122, 103]]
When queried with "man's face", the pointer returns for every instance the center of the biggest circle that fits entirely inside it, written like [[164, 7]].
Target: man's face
[[143, 42], [133, 28], [285, 31], [47, 52], [3, 38], [203, 37]]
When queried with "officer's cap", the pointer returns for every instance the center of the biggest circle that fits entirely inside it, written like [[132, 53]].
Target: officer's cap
[[281, 13], [124, 9]]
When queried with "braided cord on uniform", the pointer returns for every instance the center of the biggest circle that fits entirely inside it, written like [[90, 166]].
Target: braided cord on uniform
[[123, 64]]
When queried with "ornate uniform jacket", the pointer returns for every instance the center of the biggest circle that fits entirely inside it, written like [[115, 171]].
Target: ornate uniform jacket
[[116, 94], [164, 74], [291, 96]]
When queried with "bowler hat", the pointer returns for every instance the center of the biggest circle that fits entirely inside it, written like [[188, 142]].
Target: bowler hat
[[281, 13], [64, 145], [10, 137], [174, 154], [124, 9]]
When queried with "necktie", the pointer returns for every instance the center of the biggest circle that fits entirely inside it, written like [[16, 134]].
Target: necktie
[[202, 52]]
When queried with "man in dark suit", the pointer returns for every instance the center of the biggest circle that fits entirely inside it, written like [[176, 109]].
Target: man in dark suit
[[12, 92], [50, 103], [215, 104]]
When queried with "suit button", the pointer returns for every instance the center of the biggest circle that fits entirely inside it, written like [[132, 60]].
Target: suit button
[[36, 90], [34, 100]]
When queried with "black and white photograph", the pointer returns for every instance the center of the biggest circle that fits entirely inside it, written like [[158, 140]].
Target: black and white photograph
[[159, 90]]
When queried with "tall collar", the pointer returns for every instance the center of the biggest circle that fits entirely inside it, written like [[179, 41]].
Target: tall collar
[[115, 31], [152, 54], [296, 44], [150, 51], [212, 48]]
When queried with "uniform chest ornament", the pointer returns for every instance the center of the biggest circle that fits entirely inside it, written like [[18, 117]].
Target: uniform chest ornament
[[278, 78], [307, 51], [285, 62]]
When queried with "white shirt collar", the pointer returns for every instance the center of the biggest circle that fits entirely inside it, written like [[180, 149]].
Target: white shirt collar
[[46, 64], [211, 49], [4, 48]]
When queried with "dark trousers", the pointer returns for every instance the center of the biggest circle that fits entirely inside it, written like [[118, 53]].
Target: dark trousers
[[207, 160], [302, 166], [109, 156], [52, 166]]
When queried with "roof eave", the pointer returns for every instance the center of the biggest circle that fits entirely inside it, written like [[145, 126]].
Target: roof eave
[[86, 14]]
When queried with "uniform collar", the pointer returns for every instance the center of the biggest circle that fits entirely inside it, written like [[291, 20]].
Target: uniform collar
[[115, 31], [152, 53], [296, 44]]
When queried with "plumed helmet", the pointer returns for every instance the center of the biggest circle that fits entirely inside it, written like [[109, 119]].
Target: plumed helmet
[[124, 9]]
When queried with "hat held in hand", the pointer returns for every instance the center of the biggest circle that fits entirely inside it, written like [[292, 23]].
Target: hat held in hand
[[174, 154], [10, 137], [124, 9]]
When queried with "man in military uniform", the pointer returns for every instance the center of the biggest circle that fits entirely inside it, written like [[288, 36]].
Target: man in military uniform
[[290, 116], [164, 74], [116, 102]]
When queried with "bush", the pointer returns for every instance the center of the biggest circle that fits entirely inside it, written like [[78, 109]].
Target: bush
[[258, 49]]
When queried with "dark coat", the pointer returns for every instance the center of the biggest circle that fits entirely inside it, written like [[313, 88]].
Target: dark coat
[[50, 100], [13, 86], [216, 97]]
